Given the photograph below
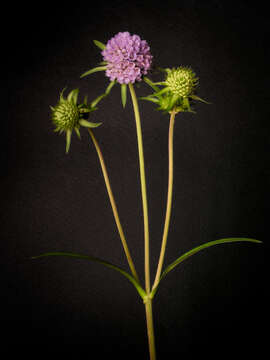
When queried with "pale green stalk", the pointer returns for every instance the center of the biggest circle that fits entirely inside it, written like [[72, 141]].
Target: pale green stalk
[[143, 187], [113, 205], [169, 201], [148, 300]]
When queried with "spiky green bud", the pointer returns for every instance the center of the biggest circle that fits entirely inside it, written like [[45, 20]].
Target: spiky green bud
[[67, 115], [181, 81], [178, 90]]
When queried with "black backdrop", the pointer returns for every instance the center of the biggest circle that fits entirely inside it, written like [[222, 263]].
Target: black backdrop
[[52, 201]]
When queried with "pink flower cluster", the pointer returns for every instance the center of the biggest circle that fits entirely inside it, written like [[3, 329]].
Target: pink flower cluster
[[128, 58]]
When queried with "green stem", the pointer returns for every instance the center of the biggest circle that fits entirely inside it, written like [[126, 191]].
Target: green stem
[[169, 201], [143, 187], [113, 205], [150, 329]]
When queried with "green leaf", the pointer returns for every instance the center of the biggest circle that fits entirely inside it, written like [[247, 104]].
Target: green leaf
[[68, 140], [88, 124], [150, 83], [149, 98], [109, 87], [100, 261], [199, 248], [99, 44], [91, 71], [73, 96], [195, 97], [77, 131], [204, 246], [124, 94], [97, 100], [85, 100], [162, 91], [186, 104]]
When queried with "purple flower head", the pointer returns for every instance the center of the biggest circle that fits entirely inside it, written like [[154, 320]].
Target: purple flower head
[[128, 58]]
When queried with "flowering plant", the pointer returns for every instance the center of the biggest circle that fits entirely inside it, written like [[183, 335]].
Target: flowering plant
[[127, 60]]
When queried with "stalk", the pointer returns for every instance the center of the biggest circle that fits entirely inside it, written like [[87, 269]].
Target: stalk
[[169, 201], [148, 301], [143, 188], [113, 205], [150, 329]]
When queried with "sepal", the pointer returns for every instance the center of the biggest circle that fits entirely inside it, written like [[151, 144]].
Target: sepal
[[88, 124], [91, 71]]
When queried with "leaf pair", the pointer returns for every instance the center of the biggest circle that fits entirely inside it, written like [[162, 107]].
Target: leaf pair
[[169, 268]]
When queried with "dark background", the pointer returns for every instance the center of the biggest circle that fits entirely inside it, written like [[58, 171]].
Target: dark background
[[216, 303]]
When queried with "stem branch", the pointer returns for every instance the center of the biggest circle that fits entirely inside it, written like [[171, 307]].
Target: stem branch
[[169, 200], [113, 205]]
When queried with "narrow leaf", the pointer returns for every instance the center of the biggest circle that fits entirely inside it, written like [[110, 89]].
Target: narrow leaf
[[162, 91], [197, 249], [100, 261], [88, 124], [150, 83], [204, 246], [91, 71], [195, 97], [124, 94], [73, 96], [68, 140], [149, 98], [99, 44], [77, 131], [97, 100], [109, 87]]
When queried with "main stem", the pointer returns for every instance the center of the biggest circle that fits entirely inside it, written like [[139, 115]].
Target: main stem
[[150, 329], [143, 188], [113, 205], [169, 200], [148, 301]]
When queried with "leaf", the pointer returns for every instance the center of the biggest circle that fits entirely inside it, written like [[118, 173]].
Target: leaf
[[77, 131], [88, 124], [186, 104], [164, 90], [124, 94], [150, 83], [73, 96], [97, 100], [91, 71], [99, 44], [199, 248], [149, 98], [195, 97], [109, 87], [204, 246], [68, 140], [100, 261]]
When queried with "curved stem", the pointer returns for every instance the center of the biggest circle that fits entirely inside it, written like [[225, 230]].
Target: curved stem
[[114, 208], [169, 201], [143, 187]]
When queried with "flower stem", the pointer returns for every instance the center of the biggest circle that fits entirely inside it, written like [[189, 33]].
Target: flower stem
[[113, 205], [150, 329], [143, 187], [169, 201]]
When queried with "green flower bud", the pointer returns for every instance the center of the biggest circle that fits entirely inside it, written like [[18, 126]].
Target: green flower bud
[[67, 115], [181, 81], [178, 90]]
